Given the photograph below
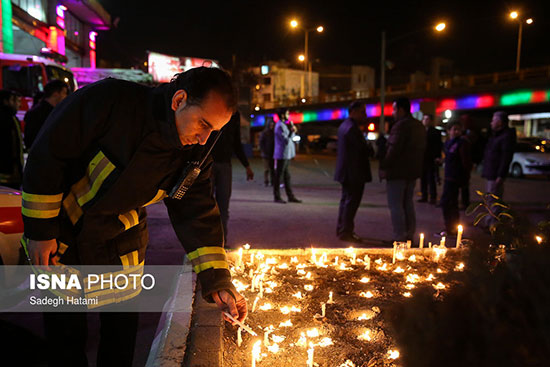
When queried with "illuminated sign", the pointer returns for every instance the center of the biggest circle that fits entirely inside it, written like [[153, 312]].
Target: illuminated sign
[[264, 69], [163, 67]]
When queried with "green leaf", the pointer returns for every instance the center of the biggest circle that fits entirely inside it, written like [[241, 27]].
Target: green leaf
[[479, 193], [479, 217], [500, 204], [472, 208]]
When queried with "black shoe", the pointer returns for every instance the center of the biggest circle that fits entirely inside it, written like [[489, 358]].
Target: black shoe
[[279, 200], [422, 200], [352, 237], [294, 200]]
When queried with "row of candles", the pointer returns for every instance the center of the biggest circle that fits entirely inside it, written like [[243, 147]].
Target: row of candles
[[262, 268]]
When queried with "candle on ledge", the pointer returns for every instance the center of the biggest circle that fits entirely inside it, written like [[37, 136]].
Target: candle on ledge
[[330, 298], [394, 250], [421, 240], [429, 245], [442, 242], [256, 351], [239, 337], [367, 262], [323, 309], [459, 235], [310, 355], [240, 258]]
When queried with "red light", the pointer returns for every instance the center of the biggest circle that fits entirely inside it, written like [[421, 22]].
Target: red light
[[371, 126], [538, 97]]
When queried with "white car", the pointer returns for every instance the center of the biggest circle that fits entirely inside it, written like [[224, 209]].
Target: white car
[[530, 158], [11, 225]]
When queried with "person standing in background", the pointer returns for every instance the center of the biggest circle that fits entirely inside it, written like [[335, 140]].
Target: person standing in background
[[284, 151], [11, 142], [54, 92], [432, 153], [222, 172]]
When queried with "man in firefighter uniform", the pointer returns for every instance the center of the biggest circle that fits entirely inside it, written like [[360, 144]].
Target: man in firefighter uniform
[[104, 154]]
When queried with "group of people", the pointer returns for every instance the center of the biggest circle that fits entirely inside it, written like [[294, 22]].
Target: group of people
[[413, 150], [277, 148], [13, 143]]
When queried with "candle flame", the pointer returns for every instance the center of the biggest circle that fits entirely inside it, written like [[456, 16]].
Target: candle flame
[[399, 270], [283, 266], [367, 294], [460, 267], [407, 294], [365, 280], [277, 338], [240, 286], [439, 286], [410, 286], [302, 342], [308, 287], [430, 277], [384, 267], [412, 258], [298, 295], [294, 259], [313, 333], [365, 336], [273, 348], [286, 323], [246, 246], [301, 272], [348, 363], [325, 342], [363, 317], [393, 354], [308, 275], [378, 261], [256, 351], [439, 270], [266, 307], [538, 239], [343, 267], [413, 278]]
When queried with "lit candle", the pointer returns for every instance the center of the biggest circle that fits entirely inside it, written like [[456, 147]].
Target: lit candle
[[323, 309], [442, 242], [261, 288], [330, 301], [353, 258], [394, 250], [336, 261], [255, 304], [367, 262], [459, 235], [256, 350], [247, 247], [421, 240], [409, 243], [253, 283], [538, 239], [240, 258], [239, 337], [313, 257], [429, 245], [310, 355]]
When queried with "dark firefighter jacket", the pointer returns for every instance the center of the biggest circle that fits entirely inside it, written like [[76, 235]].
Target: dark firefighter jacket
[[104, 154]]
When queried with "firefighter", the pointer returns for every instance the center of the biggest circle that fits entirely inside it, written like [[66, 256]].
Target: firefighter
[[104, 154]]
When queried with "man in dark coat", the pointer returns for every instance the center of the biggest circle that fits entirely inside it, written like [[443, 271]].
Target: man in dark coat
[[352, 170], [105, 153], [54, 92], [432, 153], [499, 152], [267, 146], [402, 166], [11, 143]]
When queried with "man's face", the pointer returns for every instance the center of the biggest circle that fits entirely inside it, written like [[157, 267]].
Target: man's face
[[59, 96], [455, 131], [496, 124], [194, 123], [427, 121], [15, 101]]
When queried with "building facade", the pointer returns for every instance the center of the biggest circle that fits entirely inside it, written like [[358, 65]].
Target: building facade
[[64, 30], [345, 82]]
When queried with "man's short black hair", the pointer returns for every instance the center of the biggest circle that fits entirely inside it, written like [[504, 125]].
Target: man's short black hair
[[281, 112], [198, 82], [404, 103], [502, 116], [429, 115], [355, 105], [53, 87]]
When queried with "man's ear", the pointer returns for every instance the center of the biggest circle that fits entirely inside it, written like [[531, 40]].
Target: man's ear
[[179, 97]]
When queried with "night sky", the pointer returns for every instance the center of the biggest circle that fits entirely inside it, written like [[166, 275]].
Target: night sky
[[480, 37]]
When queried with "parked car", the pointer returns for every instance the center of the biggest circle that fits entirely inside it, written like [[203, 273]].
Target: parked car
[[531, 157], [11, 225]]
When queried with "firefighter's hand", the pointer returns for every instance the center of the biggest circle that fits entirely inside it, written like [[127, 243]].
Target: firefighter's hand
[[236, 307], [249, 174], [42, 252]]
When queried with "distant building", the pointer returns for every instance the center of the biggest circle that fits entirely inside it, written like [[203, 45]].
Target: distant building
[[280, 85], [63, 29], [345, 82]]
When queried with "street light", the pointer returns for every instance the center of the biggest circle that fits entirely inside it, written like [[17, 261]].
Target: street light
[[301, 58], [516, 16], [307, 64], [439, 28]]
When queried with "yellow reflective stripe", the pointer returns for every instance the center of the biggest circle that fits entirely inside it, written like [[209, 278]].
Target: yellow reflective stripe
[[205, 251], [40, 214], [129, 219], [42, 198], [135, 258], [161, 194], [96, 184], [130, 259], [211, 264], [41, 206], [73, 210]]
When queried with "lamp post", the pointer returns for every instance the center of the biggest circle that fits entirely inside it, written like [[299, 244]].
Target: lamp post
[[307, 63], [515, 16], [440, 27]]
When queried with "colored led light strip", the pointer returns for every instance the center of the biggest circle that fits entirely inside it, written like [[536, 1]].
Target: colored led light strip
[[463, 103]]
